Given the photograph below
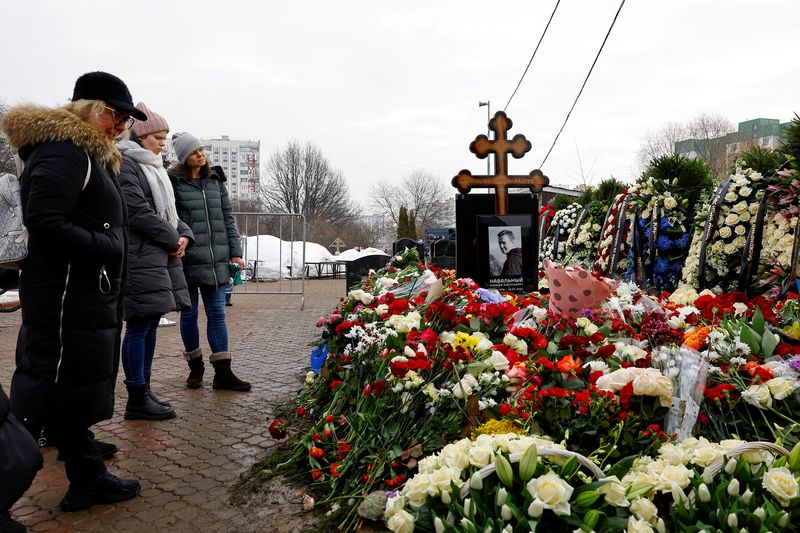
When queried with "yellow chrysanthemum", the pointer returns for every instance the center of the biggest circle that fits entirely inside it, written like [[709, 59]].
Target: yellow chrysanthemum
[[497, 427], [466, 340]]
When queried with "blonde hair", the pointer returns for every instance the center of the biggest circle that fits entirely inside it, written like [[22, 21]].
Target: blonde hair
[[84, 109]]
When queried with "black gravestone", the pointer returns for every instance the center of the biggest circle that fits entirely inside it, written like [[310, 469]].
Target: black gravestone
[[443, 253], [468, 208], [401, 244], [358, 269]]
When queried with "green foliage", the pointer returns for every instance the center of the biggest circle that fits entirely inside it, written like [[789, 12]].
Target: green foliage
[[608, 189], [412, 224], [407, 223], [560, 201], [791, 143], [402, 223], [763, 160], [692, 176], [586, 196]]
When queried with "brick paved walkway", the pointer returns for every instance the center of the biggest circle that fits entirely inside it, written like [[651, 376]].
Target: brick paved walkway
[[188, 464]]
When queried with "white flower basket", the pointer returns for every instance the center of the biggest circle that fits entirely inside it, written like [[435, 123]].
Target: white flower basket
[[716, 467], [490, 469]]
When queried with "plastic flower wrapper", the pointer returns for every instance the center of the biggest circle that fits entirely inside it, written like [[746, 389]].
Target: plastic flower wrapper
[[573, 289], [688, 370]]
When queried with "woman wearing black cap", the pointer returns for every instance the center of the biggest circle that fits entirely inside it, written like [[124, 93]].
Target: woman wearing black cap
[[70, 291]]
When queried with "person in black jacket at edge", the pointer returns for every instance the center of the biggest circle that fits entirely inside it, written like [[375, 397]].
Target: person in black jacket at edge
[[19, 461], [71, 284]]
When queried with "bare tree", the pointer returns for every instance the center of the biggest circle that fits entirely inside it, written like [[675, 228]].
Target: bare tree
[[353, 234], [661, 142], [6, 152], [711, 129], [298, 179], [707, 129], [428, 196]]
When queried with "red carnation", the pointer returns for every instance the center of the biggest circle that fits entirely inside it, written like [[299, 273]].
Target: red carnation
[[277, 429], [316, 453]]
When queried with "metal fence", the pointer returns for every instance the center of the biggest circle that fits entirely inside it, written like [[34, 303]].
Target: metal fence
[[265, 273]]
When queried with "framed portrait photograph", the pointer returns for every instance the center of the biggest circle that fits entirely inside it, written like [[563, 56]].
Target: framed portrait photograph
[[506, 252]]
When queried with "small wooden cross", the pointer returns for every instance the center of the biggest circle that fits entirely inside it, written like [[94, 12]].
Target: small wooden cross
[[464, 181], [338, 243]]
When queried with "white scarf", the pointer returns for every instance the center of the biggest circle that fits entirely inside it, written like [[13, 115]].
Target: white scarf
[[157, 178]]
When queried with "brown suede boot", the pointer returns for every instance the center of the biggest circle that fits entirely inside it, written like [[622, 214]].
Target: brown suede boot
[[196, 368], [224, 377]]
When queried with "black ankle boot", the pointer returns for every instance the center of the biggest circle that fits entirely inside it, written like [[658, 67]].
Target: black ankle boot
[[155, 398], [141, 406], [106, 489], [224, 378]]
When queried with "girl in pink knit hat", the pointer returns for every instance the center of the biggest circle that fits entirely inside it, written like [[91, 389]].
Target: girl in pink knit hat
[[158, 239]]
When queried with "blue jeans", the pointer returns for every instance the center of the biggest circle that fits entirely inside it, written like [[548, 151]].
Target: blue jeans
[[214, 305], [138, 348]]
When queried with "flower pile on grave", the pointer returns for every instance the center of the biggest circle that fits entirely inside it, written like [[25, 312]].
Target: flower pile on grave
[[419, 359]]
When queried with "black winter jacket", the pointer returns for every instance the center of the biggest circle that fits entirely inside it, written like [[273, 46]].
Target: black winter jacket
[[204, 204], [71, 281], [156, 284]]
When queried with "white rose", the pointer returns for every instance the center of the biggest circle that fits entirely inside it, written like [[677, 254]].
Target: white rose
[[673, 475], [652, 383], [454, 455], [730, 197], [740, 230], [417, 489], [706, 454], [781, 483], [553, 493], [645, 510], [744, 192], [758, 395], [732, 219], [725, 232], [614, 492], [615, 380], [638, 526], [480, 456], [441, 478], [401, 522], [598, 365], [780, 388], [739, 208], [394, 505], [674, 454], [670, 202], [498, 361], [463, 389]]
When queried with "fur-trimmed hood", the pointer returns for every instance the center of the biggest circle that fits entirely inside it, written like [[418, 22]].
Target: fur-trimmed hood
[[29, 125]]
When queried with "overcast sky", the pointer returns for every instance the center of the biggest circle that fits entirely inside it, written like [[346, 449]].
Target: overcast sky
[[383, 88]]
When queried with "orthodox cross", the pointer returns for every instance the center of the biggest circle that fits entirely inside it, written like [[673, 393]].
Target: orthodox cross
[[500, 181], [338, 243]]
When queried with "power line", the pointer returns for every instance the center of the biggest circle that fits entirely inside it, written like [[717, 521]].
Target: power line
[[584, 84], [533, 55]]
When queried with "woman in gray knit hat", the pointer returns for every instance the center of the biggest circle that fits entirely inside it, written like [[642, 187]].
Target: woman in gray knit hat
[[202, 199]]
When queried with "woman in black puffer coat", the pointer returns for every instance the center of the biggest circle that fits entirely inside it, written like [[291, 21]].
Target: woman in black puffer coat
[[202, 202], [72, 279], [158, 239]]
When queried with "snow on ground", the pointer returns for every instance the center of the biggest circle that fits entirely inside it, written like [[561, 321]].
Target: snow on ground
[[270, 258]]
